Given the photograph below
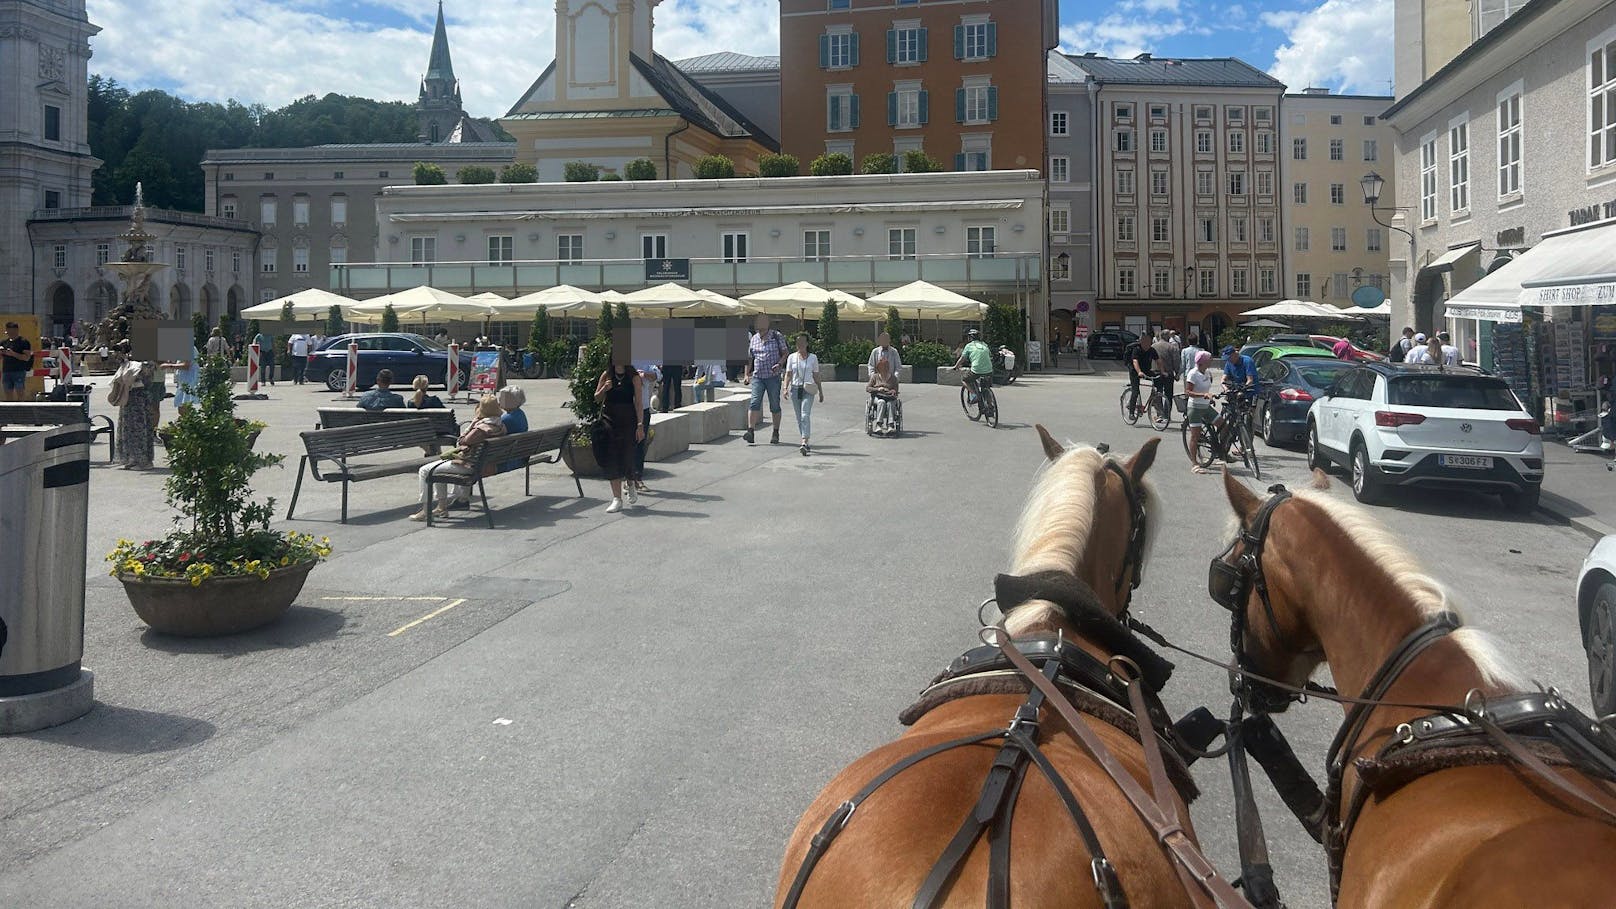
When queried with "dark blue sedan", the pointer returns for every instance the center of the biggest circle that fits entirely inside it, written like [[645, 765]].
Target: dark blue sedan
[[1290, 385], [407, 355]]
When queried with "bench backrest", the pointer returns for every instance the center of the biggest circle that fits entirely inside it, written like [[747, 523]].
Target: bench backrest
[[349, 441], [17, 414], [442, 419], [523, 445]]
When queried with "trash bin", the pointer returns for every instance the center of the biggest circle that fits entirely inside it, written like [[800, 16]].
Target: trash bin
[[45, 485]]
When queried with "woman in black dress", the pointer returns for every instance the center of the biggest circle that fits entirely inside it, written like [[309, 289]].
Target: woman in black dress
[[619, 430]]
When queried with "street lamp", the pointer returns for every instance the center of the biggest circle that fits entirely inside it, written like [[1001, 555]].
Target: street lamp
[[1372, 183], [1189, 279]]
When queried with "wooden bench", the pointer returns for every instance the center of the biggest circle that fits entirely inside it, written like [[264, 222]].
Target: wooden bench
[[341, 445], [504, 453], [20, 419], [443, 419]]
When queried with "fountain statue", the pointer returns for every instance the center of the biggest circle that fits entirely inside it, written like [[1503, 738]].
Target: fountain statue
[[135, 270]]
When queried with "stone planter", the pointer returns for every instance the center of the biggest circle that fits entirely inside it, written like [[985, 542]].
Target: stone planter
[[580, 459], [926, 375], [167, 431], [217, 606], [846, 373]]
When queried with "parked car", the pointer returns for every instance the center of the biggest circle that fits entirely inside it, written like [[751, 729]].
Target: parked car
[[1358, 353], [1109, 343], [1596, 612], [1250, 349], [407, 355], [1270, 352], [1393, 424], [1290, 385]]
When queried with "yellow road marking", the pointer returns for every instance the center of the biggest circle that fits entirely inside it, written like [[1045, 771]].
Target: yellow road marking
[[433, 614], [367, 599]]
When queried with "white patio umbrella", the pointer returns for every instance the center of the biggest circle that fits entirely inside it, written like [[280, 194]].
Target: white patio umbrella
[[423, 304], [927, 299], [305, 303], [798, 298], [1263, 323], [561, 300], [1299, 309], [675, 301]]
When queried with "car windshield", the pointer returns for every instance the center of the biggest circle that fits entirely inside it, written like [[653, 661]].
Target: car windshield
[[426, 342], [1321, 373], [1467, 392]]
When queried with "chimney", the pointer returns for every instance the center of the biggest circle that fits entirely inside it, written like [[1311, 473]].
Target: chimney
[[1315, 91], [1144, 56]]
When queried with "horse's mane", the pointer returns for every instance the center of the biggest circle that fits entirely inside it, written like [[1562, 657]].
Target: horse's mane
[[1058, 517], [1428, 595]]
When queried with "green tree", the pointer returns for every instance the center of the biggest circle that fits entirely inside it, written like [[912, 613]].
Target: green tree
[[428, 174], [835, 164], [253, 330], [640, 169], [333, 321], [287, 313], [830, 328], [538, 337], [622, 316], [771, 165], [475, 174], [199, 330], [611, 178], [1004, 327], [879, 163], [389, 318], [595, 359], [581, 172], [519, 173], [894, 326], [212, 462], [604, 327], [714, 167], [916, 161]]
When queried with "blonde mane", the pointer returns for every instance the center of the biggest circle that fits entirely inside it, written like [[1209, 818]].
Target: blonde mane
[[1429, 596], [1053, 531]]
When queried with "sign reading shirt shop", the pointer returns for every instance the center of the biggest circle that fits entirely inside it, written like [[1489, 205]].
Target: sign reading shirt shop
[[1588, 214], [659, 270]]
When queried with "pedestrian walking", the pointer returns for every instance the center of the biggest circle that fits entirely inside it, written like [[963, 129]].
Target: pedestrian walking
[[266, 356], [620, 426], [802, 372], [136, 431], [19, 362], [650, 377], [218, 346], [1402, 346], [767, 351], [298, 345], [1166, 358], [672, 394], [1420, 352], [1450, 354], [185, 378], [884, 350]]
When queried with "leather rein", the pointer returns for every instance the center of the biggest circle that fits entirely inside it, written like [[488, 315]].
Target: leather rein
[[1129, 680]]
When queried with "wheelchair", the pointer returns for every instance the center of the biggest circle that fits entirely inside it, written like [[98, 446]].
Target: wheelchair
[[884, 416]]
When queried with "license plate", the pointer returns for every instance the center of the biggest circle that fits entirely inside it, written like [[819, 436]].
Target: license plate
[[1475, 462]]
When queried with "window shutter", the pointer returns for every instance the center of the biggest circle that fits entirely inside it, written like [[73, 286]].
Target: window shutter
[[922, 41], [833, 120], [892, 45], [993, 102], [959, 105], [959, 42], [852, 112], [993, 39], [925, 107], [892, 108], [853, 49], [824, 51], [959, 162]]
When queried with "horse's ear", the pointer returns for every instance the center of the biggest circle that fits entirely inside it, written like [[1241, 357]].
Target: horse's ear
[[1052, 449], [1244, 502], [1143, 458]]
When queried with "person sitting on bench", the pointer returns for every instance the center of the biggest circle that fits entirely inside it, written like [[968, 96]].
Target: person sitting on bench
[[382, 396], [487, 426]]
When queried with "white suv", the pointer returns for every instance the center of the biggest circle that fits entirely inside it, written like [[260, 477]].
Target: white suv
[[1401, 425]]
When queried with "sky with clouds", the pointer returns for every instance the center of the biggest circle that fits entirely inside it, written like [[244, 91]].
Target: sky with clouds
[[273, 51]]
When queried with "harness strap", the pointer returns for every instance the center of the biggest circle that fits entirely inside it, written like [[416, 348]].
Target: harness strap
[[999, 849], [838, 819], [1170, 835], [1105, 875], [1162, 788]]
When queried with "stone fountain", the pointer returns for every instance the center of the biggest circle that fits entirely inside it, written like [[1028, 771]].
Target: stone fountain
[[135, 270]]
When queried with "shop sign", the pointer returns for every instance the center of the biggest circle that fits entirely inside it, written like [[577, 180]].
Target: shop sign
[[661, 270], [1604, 327], [1512, 236], [1591, 213]]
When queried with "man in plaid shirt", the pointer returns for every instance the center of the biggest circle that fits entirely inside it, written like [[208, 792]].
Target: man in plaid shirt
[[763, 368]]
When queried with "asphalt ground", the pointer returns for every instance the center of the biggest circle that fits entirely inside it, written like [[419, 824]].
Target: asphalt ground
[[628, 710]]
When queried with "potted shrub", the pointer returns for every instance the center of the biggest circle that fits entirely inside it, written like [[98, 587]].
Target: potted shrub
[[227, 572], [924, 357], [849, 356], [592, 361]]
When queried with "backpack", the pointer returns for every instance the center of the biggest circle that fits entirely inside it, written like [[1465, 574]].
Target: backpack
[[1398, 351]]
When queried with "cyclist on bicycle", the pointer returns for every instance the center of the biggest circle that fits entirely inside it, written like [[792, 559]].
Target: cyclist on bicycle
[[1141, 360], [981, 359], [1241, 373], [1199, 419]]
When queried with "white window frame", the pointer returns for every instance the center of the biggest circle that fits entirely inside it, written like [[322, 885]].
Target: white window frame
[[1237, 142], [1265, 178], [1126, 228], [1298, 193], [267, 259], [1203, 142], [300, 211], [839, 109], [1459, 165], [227, 207], [1338, 239], [1235, 182], [1338, 194], [1238, 229], [423, 250], [735, 245], [570, 249], [1601, 137], [1304, 285], [908, 106], [1161, 229], [1060, 123], [1164, 180], [981, 241], [1206, 229], [1299, 148], [338, 252], [1371, 149], [1060, 169], [103, 253], [1373, 240], [1303, 240], [974, 43], [1265, 142], [903, 243], [1060, 219], [1161, 281], [1206, 183], [339, 211], [1238, 277], [839, 50], [1338, 149], [300, 260], [1266, 229], [1126, 183], [501, 249], [1206, 282], [1511, 140], [1428, 190], [59, 256], [1267, 281], [1122, 141], [1158, 141], [653, 246], [268, 211], [816, 245], [906, 45], [1127, 281]]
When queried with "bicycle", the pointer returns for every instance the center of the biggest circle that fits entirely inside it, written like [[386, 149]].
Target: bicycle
[[978, 399], [1159, 406], [1229, 436]]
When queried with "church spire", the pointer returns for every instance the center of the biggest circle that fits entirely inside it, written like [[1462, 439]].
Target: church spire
[[439, 68]]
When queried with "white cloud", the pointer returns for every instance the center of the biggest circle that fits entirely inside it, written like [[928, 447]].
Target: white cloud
[[1119, 36], [274, 51], [1343, 44]]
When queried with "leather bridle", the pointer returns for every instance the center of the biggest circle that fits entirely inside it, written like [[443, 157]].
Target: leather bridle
[[1132, 570], [1231, 578]]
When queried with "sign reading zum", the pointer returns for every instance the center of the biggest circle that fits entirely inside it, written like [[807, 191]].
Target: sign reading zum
[[659, 270]]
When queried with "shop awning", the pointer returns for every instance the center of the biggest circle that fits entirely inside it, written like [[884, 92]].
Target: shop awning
[[1449, 259], [1574, 267]]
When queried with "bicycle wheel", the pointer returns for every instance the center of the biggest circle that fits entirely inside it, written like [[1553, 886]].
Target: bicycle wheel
[[1129, 415], [1204, 452], [971, 402], [1248, 450], [990, 407], [1160, 416], [1184, 435]]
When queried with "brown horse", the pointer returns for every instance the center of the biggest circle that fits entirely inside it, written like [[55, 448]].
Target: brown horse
[[1078, 520], [1445, 826]]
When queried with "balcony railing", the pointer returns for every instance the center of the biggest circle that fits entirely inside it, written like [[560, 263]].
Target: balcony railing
[[1004, 273], [124, 212]]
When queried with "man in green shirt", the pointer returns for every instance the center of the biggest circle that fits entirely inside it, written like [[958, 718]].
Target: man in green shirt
[[981, 359]]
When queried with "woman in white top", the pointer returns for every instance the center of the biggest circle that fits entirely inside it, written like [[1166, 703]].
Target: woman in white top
[[802, 377], [1198, 388]]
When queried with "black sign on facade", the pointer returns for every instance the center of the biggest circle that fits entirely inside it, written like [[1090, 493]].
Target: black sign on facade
[[660, 270]]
